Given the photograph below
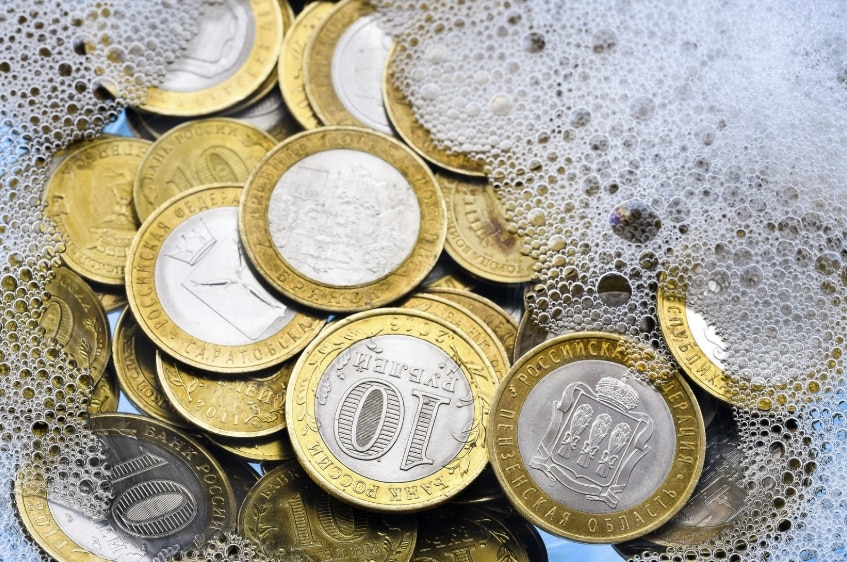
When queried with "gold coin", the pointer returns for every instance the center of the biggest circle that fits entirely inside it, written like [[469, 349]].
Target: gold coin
[[343, 67], [249, 406], [111, 299], [168, 493], [493, 315], [401, 114], [291, 80], [342, 219], [387, 409], [471, 325], [74, 321], [478, 236], [89, 197], [193, 294], [273, 448], [218, 150], [105, 395], [134, 359], [585, 448], [232, 54], [287, 513]]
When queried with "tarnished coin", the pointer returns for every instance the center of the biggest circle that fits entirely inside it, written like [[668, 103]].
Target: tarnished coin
[[194, 295], [478, 235], [250, 406], [112, 298], [586, 448], [74, 320], [273, 448], [343, 67], [401, 115], [286, 512], [89, 197], [169, 494], [134, 359], [219, 150], [387, 410], [291, 78], [234, 51], [530, 334], [342, 219], [485, 488]]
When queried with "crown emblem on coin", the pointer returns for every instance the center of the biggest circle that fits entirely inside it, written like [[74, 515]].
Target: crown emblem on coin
[[617, 392], [193, 246]]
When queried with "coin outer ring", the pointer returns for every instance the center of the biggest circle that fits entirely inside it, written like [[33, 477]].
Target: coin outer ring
[[327, 470], [543, 510], [32, 502], [263, 253], [259, 64], [164, 332]]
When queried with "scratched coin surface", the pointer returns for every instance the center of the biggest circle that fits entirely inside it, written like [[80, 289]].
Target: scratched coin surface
[[386, 410], [587, 447], [194, 295], [286, 512], [168, 493]]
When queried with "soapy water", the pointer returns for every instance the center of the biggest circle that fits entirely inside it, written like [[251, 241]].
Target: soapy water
[[696, 146]]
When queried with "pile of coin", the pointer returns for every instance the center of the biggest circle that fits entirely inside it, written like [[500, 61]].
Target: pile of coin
[[302, 300]]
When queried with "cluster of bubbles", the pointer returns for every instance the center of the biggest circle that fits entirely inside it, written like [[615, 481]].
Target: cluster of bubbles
[[694, 148], [228, 546]]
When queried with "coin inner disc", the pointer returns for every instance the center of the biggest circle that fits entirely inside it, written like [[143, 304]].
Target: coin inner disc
[[206, 287], [344, 217], [594, 438]]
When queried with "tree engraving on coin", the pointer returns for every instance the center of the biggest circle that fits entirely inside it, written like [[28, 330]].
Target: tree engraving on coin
[[344, 217]]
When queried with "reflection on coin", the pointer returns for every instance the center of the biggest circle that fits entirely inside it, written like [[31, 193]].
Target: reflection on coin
[[194, 295], [273, 448], [168, 493], [234, 51], [588, 450], [285, 511], [197, 153], [386, 410], [345, 60], [89, 197], [250, 406], [74, 319], [342, 219]]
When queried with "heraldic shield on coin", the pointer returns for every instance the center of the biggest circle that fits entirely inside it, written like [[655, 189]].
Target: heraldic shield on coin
[[589, 449]]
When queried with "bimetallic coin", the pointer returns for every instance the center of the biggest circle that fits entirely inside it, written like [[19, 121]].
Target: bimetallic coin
[[169, 493], [193, 294], [89, 197], [478, 235], [250, 406], [234, 51], [285, 511], [134, 359], [74, 320], [204, 152], [586, 448], [342, 219], [291, 79], [343, 67], [387, 410]]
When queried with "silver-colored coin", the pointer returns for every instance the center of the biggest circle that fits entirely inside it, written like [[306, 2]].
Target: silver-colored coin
[[358, 63], [315, 216]]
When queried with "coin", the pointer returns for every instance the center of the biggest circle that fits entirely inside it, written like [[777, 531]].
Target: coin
[[234, 51], [342, 219], [89, 198], [530, 334], [273, 448], [105, 395], [134, 359], [111, 298], [74, 320], [197, 153], [387, 410], [478, 234], [485, 488], [193, 294], [343, 67], [249, 406], [585, 448], [401, 115], [169, 493], [285, 511], [291, 80]]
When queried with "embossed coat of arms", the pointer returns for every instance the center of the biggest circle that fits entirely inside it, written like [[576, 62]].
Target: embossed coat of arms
[[595, 439]]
